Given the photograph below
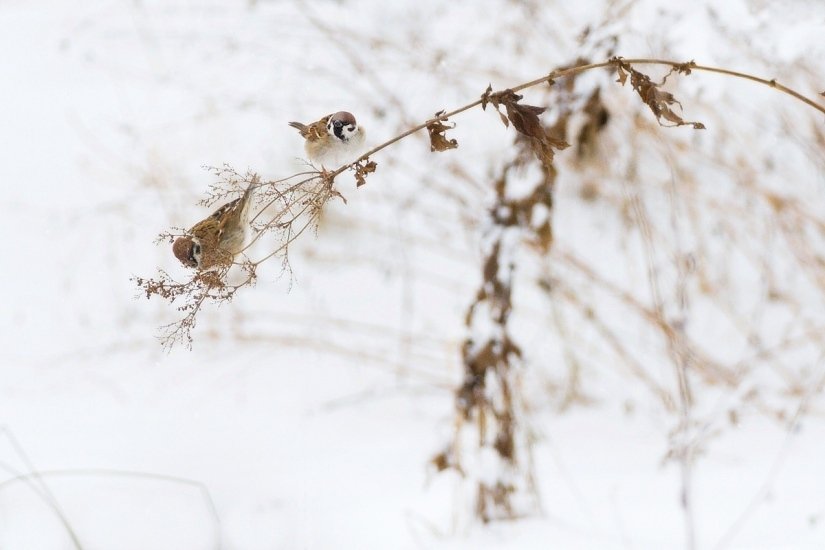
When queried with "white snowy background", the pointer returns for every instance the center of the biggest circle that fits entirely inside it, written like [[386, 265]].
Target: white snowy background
[[307, 411]]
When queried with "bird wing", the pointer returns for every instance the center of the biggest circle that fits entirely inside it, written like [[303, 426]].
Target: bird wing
[[233, 215], [224, 212], [314, 131], [221, 235]]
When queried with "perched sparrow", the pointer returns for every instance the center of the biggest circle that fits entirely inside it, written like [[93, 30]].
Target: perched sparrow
[[335, 139], [216, 240]]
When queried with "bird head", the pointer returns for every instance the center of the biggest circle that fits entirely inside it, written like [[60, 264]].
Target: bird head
[[342, 125], [188, 251]]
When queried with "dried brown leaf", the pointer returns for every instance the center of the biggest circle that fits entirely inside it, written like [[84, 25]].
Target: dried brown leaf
[[525, 118], [685, 68], [659, 101], [363, 168], [622, 75], [546, 148], [447, 459], [438, 139], [485, 97], [544, 236]]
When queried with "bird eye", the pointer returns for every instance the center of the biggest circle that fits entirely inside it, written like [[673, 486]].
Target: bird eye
[[338, 123]]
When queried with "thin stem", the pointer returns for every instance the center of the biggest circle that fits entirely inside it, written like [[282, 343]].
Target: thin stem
[[106, 472], [772, 83], [328, 177], [44, 492], [580, 69]]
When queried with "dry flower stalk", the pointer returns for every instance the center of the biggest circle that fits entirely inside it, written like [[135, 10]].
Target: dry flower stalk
[[488, 399]]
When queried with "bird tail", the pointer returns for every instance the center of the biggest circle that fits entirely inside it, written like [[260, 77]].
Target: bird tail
[[246, 200], [300, 127]]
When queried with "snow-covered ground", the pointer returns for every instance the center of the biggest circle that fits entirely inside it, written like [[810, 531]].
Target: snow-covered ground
[[307, 412]]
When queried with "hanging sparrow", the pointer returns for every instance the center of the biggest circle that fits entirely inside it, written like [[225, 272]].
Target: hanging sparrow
[[217, 239], [335, 139]]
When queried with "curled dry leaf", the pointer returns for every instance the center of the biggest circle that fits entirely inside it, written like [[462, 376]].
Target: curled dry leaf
[[659, 101], [620, 72], [684, 68], [525, 119], [363, 168], [493, 98], [485, 97], [438, 139]]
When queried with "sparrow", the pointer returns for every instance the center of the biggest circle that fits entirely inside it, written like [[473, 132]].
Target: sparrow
[[335, 139], [217, 239]]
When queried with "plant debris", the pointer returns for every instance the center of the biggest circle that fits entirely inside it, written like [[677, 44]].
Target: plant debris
[[525, 119], [363, 168], [438, 139], [658, 100]]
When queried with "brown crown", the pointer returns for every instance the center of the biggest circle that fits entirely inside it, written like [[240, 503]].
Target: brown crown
[[344, 116], [182, 248]]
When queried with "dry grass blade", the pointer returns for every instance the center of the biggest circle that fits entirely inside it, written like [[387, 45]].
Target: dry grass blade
[[209, 502], [36, 482]]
